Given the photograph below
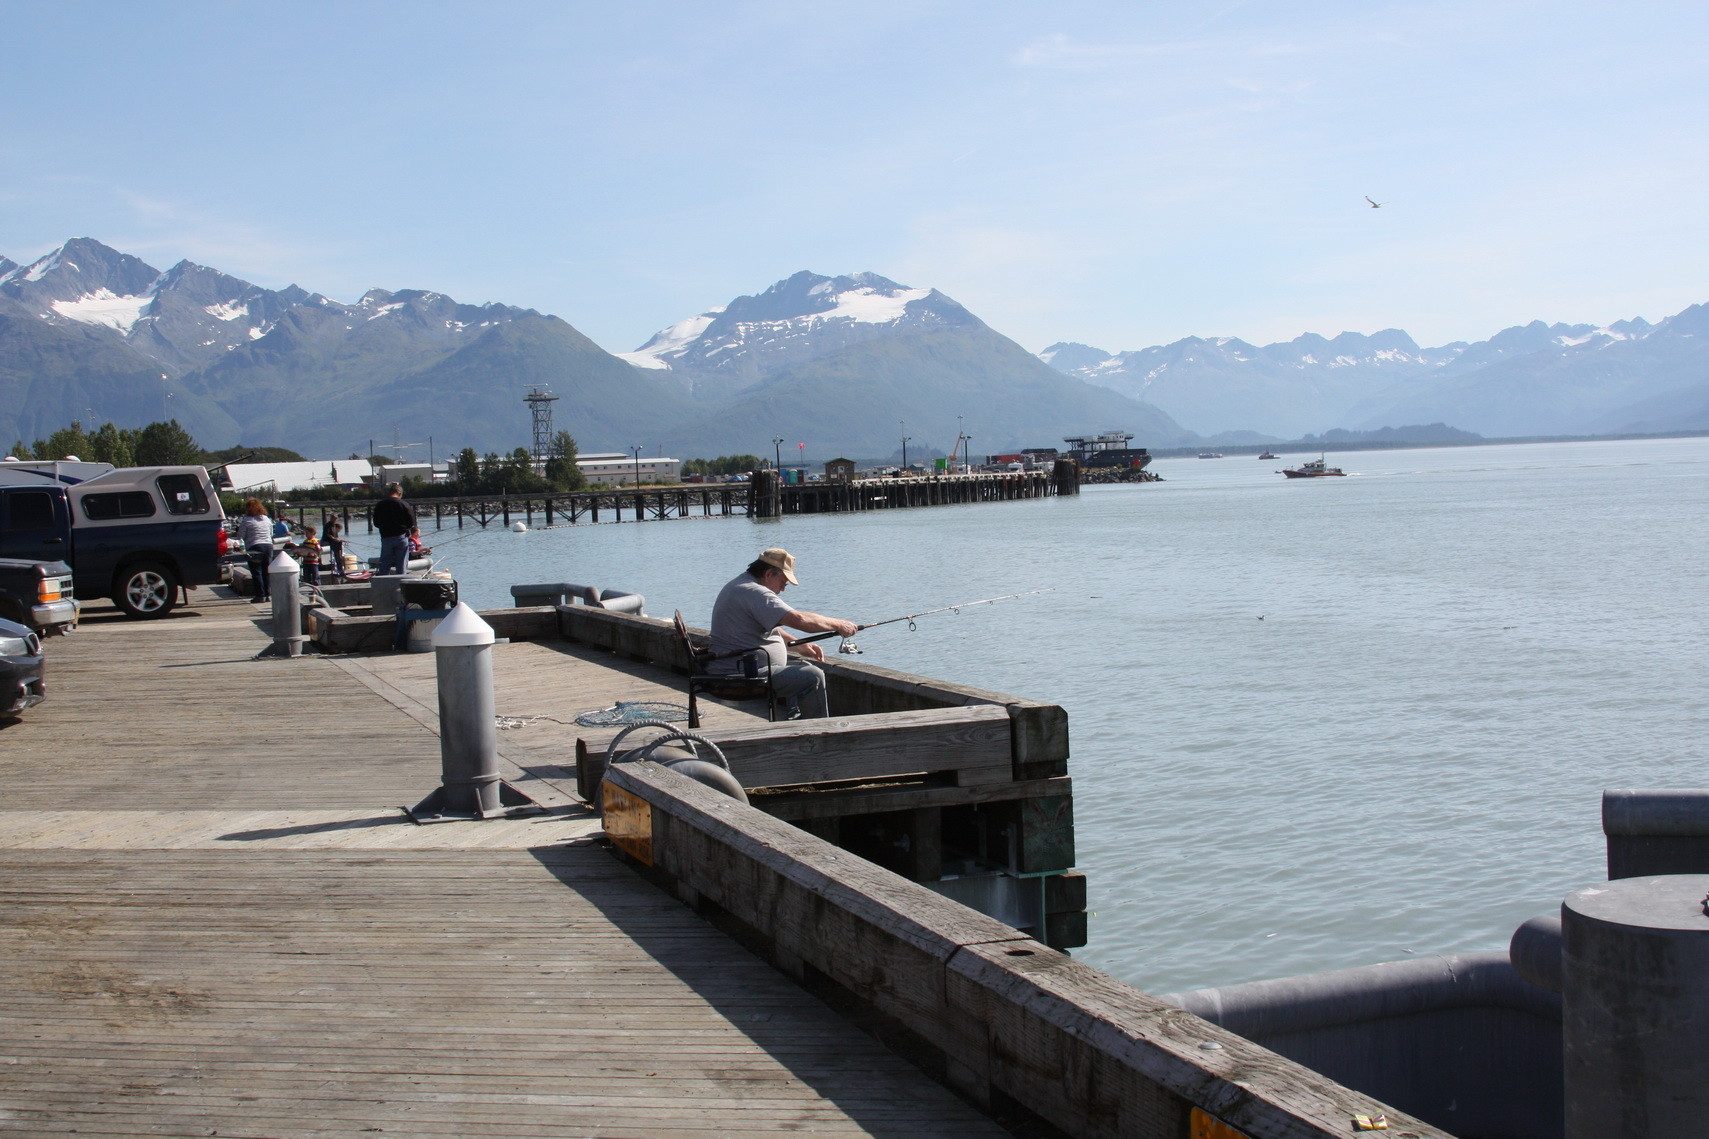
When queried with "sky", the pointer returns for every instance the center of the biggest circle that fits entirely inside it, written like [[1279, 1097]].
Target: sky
[[1119, 174]]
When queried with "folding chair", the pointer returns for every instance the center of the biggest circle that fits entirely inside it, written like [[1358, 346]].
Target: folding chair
[[724, 686]]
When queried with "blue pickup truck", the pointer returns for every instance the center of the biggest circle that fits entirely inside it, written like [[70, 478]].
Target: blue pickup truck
[[140, 535]]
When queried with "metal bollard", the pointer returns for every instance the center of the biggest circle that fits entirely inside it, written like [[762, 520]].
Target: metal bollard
[[283, 573], [470, 786], [1635, 1007]]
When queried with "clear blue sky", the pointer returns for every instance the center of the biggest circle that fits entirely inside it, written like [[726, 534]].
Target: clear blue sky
[[1120, 173]]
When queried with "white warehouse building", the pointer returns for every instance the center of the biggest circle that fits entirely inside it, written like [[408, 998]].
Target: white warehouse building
[[617, 469]]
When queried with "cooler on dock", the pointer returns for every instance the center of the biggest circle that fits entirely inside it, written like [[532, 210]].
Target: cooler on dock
[[422, 601]]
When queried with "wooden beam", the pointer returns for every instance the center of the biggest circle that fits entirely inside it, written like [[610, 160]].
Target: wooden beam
[[972, 740], [1074, 1046], [834, 802]]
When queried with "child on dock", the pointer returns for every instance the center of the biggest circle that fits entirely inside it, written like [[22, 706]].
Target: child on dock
[[311, 556], [335, 543]]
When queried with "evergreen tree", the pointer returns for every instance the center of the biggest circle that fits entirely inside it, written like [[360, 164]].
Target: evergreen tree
[[561, 470], [466, 472], [20, 451], [111, 445], [166, 445], [71, 440]]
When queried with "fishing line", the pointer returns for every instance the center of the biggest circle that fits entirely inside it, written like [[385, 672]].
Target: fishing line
[[911, 617]]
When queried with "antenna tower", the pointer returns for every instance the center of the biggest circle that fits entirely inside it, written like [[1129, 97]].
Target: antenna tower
[[539, 401]]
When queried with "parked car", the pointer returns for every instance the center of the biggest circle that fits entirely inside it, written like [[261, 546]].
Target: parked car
[[135, 534], [20, 668], [37, 594]]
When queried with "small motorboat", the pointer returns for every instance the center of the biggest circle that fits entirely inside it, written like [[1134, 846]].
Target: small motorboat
[[1268, 455], [1314, 469], [1210, 454]]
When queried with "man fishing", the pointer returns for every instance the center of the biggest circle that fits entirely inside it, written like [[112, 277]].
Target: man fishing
[[746, 620]]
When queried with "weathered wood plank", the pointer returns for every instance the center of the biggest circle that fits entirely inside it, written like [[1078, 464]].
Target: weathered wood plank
[[303, 962], [801, 806], [867, 747], [1075, 1046]]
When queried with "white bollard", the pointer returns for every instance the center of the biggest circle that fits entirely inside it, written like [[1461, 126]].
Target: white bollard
[[469, 783], [283, 573]]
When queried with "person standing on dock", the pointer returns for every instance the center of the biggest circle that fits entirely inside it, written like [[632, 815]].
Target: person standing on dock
[[746, 619], [334, 531], [393, 520], [256, 534]]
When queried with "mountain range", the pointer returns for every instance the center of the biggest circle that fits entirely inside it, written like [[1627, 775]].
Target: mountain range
[[840, 363], [847, 365], [1535, 379]]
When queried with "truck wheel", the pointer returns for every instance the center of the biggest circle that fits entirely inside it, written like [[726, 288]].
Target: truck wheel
[[146, 589]]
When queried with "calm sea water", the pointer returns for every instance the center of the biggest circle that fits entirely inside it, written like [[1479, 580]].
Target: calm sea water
[[1314, 723]]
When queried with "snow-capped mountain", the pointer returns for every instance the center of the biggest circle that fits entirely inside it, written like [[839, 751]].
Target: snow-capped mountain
[[1313, 384], [843, 361], [89, 332], [190, 316], [724, 350]]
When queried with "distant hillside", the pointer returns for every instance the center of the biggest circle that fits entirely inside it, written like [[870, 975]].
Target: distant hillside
[[839, 362], [90, 333], [1007, 400], [1535, 379]]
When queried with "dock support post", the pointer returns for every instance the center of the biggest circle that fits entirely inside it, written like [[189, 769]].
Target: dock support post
[[283, 573], [470, 786], [1635, 1007]]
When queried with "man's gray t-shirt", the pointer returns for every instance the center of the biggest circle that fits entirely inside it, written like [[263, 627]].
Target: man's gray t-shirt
[[746, 616]]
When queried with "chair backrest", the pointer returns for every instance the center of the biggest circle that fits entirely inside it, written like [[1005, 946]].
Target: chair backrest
[[698, 658]]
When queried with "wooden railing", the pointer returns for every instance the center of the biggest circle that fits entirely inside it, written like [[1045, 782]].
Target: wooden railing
[[1011, 1018]]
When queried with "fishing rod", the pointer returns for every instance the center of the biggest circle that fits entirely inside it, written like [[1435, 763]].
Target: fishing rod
[[910, 618]]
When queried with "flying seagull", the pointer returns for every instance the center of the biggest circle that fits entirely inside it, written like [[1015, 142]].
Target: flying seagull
[[1374, 205]]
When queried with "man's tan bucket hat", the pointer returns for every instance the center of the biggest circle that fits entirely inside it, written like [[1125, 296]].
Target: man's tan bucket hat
[[783, 560]]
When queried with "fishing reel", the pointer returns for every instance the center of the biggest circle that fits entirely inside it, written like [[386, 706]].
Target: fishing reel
[[849, 647]]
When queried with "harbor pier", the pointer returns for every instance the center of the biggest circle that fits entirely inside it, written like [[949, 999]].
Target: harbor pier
[[217, 918], [764, 495]]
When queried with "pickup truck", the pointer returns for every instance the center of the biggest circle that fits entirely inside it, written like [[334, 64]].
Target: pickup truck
[[37, 594], [140, 535]]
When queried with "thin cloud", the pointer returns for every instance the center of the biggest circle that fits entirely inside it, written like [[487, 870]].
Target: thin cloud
[[1062, 53]]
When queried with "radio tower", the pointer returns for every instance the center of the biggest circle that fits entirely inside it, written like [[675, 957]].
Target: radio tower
[[539, 401]]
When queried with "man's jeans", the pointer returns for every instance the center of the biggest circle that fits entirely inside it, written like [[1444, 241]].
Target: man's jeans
[[802, 686], [394, 554]]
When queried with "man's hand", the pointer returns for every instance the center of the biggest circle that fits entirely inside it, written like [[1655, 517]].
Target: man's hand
[[811, 652], [819, 623]]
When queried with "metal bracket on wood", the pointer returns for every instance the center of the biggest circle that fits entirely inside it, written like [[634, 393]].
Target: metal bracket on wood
[[512, 803]]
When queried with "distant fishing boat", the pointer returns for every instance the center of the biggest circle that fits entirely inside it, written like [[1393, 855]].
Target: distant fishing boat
[[1210, 454], [1315, 469], [1267, 455]]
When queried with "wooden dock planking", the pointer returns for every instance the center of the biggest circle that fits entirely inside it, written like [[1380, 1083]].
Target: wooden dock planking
[[212, 918]]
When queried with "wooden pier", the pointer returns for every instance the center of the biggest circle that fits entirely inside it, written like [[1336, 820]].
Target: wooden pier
[[764, 495], [216, 918]]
